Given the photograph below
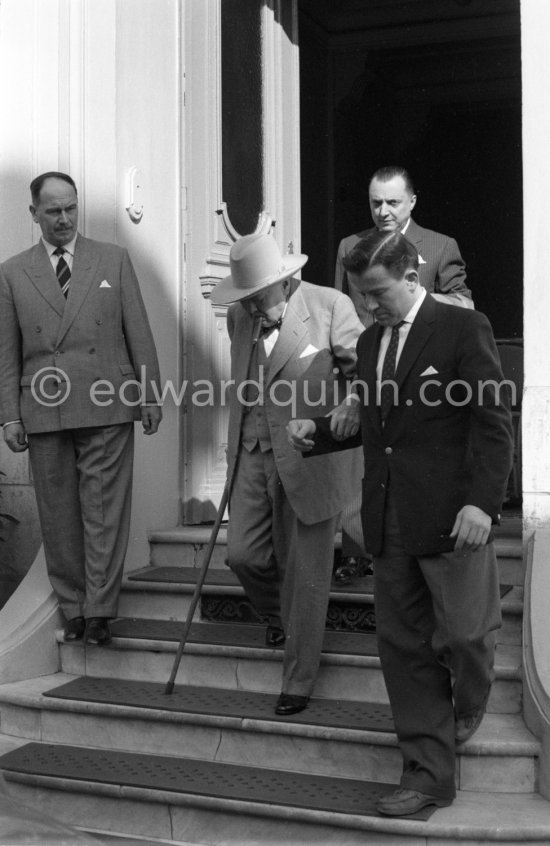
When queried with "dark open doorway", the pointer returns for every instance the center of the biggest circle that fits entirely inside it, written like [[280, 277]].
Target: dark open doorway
[[435, 87]]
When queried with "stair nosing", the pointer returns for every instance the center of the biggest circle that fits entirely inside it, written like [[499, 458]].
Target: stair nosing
[[441, 824], [16, 694]]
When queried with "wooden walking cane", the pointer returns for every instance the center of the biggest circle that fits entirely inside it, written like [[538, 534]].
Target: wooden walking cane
[[198, 587], [209, 549]]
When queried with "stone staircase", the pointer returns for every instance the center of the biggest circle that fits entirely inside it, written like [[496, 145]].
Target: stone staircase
[[100, 745]]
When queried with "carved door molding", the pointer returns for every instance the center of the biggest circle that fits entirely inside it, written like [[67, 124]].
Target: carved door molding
[[209, 230]]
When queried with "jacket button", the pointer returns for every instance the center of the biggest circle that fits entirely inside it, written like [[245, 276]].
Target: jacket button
[[388, 450], [98, 321], [91, 350], [38, 329]]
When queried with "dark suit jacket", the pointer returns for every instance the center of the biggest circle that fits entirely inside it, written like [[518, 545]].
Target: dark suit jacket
[[441, 270], [448, 441], [101, 332]]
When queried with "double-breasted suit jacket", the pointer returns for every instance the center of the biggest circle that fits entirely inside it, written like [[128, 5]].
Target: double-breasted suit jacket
[[448, 440], [69, 370], [441, 269], [93, 343], [306, 373]]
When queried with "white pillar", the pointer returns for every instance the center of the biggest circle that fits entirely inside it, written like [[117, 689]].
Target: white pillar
[[535, 25]]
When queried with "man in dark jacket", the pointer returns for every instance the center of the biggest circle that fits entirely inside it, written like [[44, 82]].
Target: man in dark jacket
[[437, 441]]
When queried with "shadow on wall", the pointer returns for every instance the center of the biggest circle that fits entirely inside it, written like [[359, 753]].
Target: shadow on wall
[[20, 536]]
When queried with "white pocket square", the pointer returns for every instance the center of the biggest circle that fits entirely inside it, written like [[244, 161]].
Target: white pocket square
[[309, 350], [104, 284], [420, 259], [429, 371]]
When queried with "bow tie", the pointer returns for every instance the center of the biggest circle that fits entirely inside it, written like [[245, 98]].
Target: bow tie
[[271, 326]]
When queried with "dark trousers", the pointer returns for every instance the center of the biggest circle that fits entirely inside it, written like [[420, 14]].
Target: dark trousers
[[436, 618]]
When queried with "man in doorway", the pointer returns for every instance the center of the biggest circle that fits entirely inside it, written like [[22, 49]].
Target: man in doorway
[[74, 340], [292, 348], [437, 441], [441, 271]]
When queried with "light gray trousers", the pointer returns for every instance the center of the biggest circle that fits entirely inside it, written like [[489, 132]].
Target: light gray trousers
[[83, 484], [284, 566]]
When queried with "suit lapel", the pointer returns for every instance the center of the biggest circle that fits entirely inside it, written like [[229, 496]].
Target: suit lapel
[[82, 275], [414, 234], [242, 350], [292, 331], [42, 276]]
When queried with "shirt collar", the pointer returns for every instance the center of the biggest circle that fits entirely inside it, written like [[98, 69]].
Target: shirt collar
[[405, 227], [411, 314], [69, 247]]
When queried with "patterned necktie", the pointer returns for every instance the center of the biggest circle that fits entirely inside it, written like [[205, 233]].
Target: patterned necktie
[[388, 373], [63, 271]]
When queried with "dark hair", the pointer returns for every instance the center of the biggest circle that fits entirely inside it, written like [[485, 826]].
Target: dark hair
[[38, 182], [390, 249], [384, 174]]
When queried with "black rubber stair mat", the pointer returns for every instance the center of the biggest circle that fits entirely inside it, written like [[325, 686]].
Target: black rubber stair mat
[[241, 635], [194, 777], [217, 577], [243, 704]]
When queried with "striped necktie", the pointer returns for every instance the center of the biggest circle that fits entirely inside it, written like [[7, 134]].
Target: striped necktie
[[63, 271]]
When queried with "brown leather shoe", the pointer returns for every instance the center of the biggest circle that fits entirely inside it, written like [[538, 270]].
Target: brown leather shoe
[[74, 629], [288, 704], [98, 632], [403, 802]]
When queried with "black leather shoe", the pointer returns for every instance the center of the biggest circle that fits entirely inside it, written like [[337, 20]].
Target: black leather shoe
[[288, 704], [74, 629], [98, 632], [403, 802], [274, 636], [351, 568]]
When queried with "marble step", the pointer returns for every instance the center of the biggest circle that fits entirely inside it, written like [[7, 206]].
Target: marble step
[[185, 545], [351, 608], [235, 657], [109, 838], [339, 738], [153, 810]]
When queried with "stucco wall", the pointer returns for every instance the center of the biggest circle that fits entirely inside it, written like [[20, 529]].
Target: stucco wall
[[535, 16]]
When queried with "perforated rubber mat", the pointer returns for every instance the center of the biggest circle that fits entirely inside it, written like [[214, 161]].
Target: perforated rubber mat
[[240, 634], [225, 578], [200, 778], [228, 703]]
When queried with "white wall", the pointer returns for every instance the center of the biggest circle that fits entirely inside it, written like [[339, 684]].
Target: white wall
[[535, 20], [92, 87]]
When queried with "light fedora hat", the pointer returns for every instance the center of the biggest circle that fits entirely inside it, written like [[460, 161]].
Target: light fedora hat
[[256, 263]]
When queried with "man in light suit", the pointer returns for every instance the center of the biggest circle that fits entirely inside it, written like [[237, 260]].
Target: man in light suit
[[77, 366], [292, 349], [437, 442], [441, 271]]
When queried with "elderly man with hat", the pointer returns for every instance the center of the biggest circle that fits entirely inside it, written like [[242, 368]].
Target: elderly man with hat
[[292, 350]]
